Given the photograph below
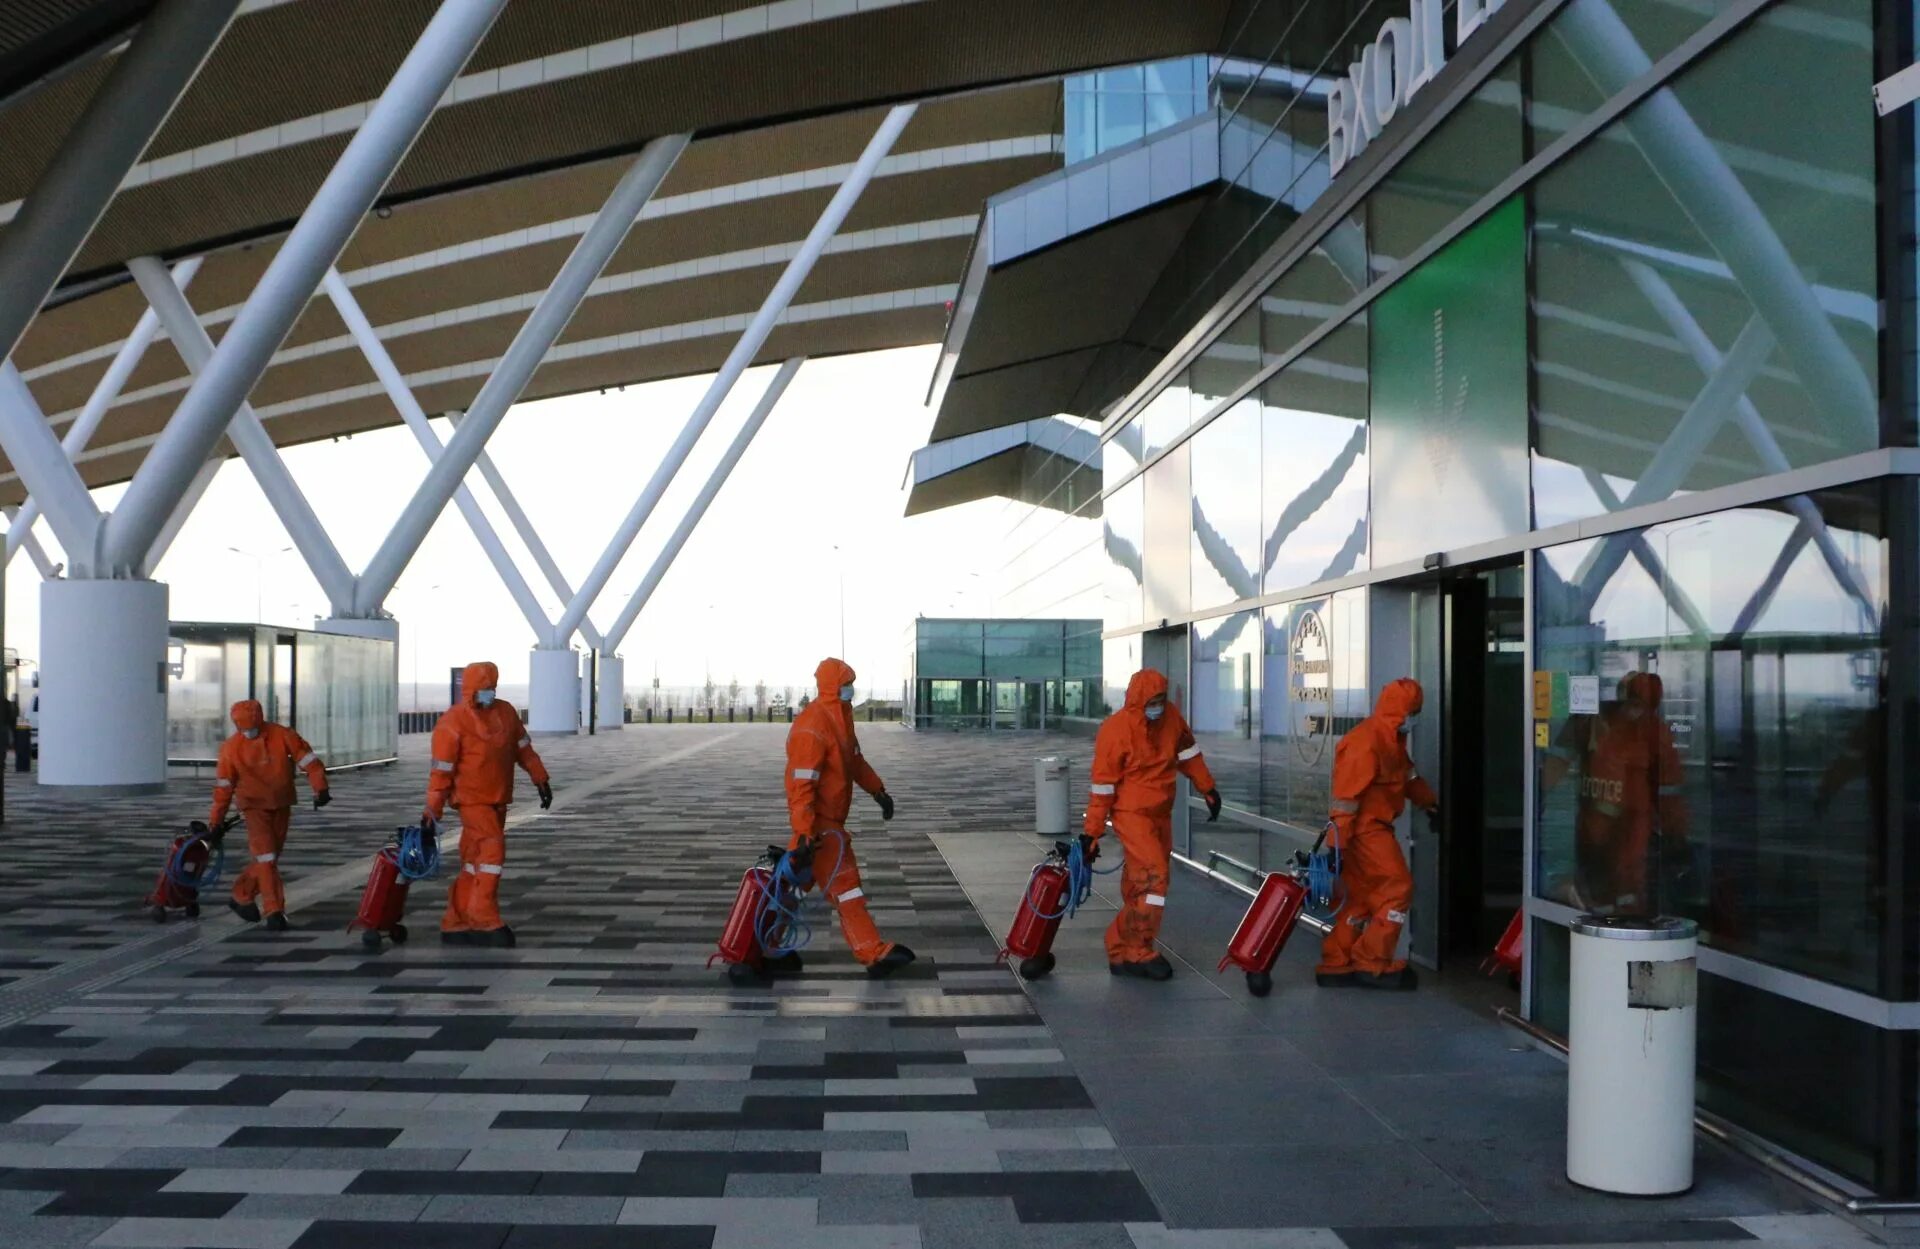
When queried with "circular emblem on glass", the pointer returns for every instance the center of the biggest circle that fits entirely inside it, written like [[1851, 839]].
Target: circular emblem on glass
[[1311, 678]]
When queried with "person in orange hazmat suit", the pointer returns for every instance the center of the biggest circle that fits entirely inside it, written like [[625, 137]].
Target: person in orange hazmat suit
[[1136, 756], [1373, 778], [475, 747], [255, 773], [824, 763]]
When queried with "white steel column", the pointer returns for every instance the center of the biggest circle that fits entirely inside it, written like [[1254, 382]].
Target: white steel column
[[403, 399], [553, 691], [612, 710], [181, 511], [248, 436], [751, 340], [105, 391], [277, 301], [103, 677], [73, 192], [45, 470], [698, 508], [38, 554], [503, 388], [523, 526]]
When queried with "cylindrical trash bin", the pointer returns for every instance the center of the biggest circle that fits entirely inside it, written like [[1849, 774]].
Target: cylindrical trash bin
[[1050, 795], [1630, 1045]]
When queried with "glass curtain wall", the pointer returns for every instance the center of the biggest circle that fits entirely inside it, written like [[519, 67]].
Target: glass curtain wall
[[340, 693]]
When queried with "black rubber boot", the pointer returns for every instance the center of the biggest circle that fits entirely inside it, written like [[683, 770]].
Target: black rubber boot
[[500, 938], [1155, 968], [456, 937], [1393, 981], [896, 958], [1034, 968], [277, 922], [742, 975], [787, 964], [1259, 983], [249, 912], [1336, 979]]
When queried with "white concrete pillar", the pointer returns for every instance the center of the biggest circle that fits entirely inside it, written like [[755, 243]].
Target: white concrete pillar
[[613, 692], [553, 699], [103, 686]]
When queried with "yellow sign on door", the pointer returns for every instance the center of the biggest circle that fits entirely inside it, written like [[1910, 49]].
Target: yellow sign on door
[[1542, 695]]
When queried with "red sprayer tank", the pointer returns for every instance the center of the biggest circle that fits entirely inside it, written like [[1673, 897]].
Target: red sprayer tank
[[1507, 951], [739, 944], [1264, 930], [1030, 939], [383, 901]]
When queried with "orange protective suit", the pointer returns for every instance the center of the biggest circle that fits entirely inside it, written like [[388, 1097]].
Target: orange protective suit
[[256, 773], [823, 765], [1630, 773], [475, 749], [1372, 780], [1135, 761]]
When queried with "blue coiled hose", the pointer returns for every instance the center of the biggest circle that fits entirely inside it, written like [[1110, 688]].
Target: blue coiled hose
[[419, 853], [1323, 877], [1080, 874], [183, 877], [782, 927]]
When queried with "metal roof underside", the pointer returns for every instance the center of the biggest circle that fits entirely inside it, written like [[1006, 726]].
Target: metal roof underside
[[496, 192]]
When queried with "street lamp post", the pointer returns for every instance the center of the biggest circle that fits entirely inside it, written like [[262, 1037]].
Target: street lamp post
[[259, 577]]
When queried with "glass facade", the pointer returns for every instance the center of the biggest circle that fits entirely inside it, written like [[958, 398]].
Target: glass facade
[[995, 674], [338, 692], [1638, 265], [1114, 107]]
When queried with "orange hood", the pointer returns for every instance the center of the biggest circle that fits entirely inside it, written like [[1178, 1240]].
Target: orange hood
[[477, 677], [832, 674], [1145, 685], [247, 714], [1400, 699]]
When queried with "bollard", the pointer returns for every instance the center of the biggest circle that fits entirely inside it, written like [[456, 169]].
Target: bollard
[[1632, 1012]]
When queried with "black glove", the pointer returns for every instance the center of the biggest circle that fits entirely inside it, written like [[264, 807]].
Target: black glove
[[1089, 848], [1212, 797], [546, 796], [885, 800], [427, 822], [801, 856], [199, 828], [322, 798], [1434, 822]]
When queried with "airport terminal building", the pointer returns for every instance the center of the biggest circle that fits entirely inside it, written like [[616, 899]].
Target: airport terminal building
[[1559, 355]]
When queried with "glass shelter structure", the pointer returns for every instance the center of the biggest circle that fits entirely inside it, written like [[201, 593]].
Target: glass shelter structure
[[1002, 674], [338, 692], [1570, 370]]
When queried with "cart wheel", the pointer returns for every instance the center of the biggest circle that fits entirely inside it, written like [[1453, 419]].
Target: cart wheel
[[1259, 983], [159, 914], [398, 934], [370, 938], [193, 910], [1034, 968], [743, 974]]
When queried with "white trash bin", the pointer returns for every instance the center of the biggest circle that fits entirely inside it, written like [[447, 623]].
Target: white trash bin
[[1050, 795], [1633, 1011]]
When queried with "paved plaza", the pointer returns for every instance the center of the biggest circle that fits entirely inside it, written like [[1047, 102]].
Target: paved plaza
[[203, 1084]]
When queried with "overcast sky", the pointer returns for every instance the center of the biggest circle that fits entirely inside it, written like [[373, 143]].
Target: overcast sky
[[755, 594]]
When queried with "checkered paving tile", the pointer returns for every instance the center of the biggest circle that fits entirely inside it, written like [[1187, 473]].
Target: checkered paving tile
[[205, 1085]]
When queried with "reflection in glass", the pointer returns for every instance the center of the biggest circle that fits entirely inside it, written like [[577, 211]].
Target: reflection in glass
[[1165, 417], [1314, 463], [1115, 107], [1123, 521], [1561, 92], [1120, 659], [1121, 454], [1732, 771], [1314, 689], [1224, 713], [1706, 301], [1315, 287], [1227, 363], [1226, 507], [1470, 154]]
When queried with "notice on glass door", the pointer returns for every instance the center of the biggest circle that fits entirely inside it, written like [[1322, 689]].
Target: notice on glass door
[[1583, 696]]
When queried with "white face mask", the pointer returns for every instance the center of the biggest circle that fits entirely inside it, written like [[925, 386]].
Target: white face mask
[[846, 693], [1155, 710], [249, 734], [1406, 725], [485, 697]]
